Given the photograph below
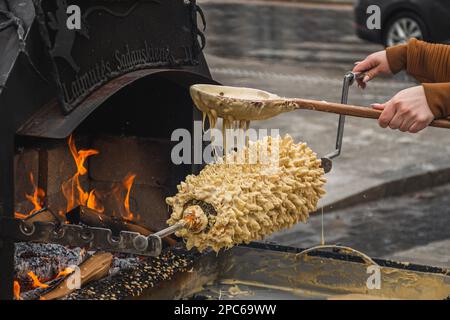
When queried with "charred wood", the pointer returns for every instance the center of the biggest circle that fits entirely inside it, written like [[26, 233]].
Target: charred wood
[[43, 215], [44, 260], [94, 268]]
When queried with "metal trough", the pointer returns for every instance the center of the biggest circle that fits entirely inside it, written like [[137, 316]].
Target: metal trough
[[265, 271]]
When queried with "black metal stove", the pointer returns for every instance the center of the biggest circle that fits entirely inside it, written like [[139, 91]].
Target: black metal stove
[[125, 70]]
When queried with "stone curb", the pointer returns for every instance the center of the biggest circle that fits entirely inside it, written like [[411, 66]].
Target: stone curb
[[406, 183]]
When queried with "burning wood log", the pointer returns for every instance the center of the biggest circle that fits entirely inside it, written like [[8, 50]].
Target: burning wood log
[[94, 268], [45, 260], [93, 218], [43, 215]]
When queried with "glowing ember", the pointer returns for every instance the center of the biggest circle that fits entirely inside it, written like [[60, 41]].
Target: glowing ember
[[37, 199], [36, 282], [17, 290]]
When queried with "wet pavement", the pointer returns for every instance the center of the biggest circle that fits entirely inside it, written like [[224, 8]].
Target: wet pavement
[[304, 50], [281, 32], [411, 228]]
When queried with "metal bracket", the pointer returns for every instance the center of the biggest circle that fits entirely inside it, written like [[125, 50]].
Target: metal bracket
[[14, 21], [196, 31], [349, 79], [80, 236]]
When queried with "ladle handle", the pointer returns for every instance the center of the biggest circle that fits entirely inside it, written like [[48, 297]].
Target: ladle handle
[[355, 111]]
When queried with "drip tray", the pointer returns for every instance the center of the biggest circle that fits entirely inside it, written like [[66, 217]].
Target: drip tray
[[265, 271]]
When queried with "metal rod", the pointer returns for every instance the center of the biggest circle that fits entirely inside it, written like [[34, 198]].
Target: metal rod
[[349, 78], [170, 230]]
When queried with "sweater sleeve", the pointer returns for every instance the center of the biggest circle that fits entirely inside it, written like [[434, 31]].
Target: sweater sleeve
[[438, 98], [428, 63], [396, 57]]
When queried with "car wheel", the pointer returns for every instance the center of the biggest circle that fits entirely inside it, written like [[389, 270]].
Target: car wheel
[[403, 27]]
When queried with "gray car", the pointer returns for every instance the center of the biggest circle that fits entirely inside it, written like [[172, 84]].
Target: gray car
[[401, 20]]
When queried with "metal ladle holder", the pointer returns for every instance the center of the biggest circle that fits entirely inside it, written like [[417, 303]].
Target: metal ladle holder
[[349, 79]]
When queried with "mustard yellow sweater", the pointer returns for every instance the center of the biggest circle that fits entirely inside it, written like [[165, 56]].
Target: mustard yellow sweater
[[429, 64]]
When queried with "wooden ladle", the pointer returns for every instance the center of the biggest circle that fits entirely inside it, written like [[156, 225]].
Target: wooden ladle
[[246, 104]]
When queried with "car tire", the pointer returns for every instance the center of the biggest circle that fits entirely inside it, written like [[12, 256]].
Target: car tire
[[402, 27]]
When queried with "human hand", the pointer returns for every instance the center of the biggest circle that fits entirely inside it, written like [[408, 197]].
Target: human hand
[[408, 110], [374, 65]]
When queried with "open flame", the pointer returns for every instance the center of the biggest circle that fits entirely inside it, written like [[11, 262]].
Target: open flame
[[37, 199], [128, 183], [119, 197], [93, 203], [122, 194], [65, 272], [16, 290], [36, 282], [76, 195], [72, 189]]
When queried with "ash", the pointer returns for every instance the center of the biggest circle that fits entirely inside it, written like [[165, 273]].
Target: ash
[[45, 260], [130, 276], [123, 262]]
